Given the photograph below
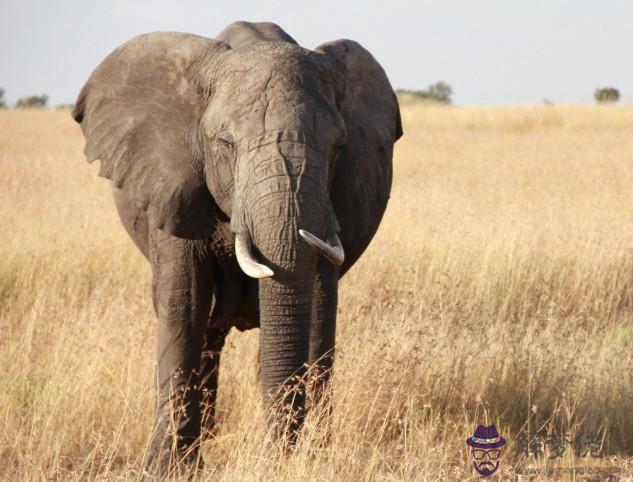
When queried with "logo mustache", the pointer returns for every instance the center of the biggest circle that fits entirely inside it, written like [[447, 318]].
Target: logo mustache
[[482, 465]]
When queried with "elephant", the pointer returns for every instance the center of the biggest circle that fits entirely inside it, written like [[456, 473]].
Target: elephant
[[251, 173]]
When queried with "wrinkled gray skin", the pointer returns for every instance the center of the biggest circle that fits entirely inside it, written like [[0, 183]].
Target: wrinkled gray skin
[[249, 134]]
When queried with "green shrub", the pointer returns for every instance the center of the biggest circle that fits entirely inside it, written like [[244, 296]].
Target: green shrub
[[606, 95], [440, 92], [34, 101]]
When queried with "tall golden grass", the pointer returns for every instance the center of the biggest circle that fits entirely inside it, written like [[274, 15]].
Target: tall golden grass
[[499, 289]]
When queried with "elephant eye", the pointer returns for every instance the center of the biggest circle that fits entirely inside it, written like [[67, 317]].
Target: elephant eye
[[226, 140], [336, 153], [340, 144]]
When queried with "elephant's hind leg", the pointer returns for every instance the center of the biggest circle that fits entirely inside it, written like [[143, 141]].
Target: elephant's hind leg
[[182, 285]]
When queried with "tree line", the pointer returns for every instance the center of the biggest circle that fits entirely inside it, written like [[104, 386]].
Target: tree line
[[29, 102], [439, 92]]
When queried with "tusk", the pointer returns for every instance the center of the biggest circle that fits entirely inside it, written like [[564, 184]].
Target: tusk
[[333, 251], [246, 261]]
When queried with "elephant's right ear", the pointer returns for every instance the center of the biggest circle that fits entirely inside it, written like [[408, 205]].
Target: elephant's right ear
[[139, 112]]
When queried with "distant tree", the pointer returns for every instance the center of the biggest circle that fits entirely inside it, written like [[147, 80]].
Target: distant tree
[[64, 106], [34, 101], [438, 92], [606, 95], [3, 104]]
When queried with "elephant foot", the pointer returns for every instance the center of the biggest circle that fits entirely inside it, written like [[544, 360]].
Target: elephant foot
[[165, 464], [285, 427], [168, 469]]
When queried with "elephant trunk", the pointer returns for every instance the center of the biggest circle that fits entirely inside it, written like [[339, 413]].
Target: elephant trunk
[[285, 313], [285, 308], [288, 196]]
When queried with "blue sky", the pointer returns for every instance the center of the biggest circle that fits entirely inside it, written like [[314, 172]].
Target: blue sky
[[490, 51]]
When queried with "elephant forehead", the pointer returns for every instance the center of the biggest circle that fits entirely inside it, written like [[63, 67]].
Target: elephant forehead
[[254, 93], [268, 66], [277, 54], [289, 140], [288, 153]]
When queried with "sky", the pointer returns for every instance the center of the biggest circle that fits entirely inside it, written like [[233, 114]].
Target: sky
[[491, 52]]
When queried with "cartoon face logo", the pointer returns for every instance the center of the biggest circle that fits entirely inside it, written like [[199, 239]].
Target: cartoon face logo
[[485, 449]]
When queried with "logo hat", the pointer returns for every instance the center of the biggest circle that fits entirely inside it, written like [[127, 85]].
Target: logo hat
[[486, 438]]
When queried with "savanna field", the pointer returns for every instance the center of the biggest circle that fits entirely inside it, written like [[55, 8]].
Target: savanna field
[[499, 289]]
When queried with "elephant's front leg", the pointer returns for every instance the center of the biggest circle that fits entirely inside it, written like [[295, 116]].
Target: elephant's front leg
[[182, 282], [209, 370], [323, 329]]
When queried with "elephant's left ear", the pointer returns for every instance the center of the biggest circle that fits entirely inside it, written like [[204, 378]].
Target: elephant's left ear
[[362, 180]]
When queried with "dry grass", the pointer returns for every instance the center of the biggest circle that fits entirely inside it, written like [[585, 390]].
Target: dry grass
[[499, 289]]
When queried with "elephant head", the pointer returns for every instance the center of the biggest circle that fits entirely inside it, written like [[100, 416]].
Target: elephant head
[[292, 145]]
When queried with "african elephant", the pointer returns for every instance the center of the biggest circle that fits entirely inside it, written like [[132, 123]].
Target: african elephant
[[251, 173]]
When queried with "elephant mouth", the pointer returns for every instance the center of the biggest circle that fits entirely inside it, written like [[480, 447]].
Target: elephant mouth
[[331, 250]]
